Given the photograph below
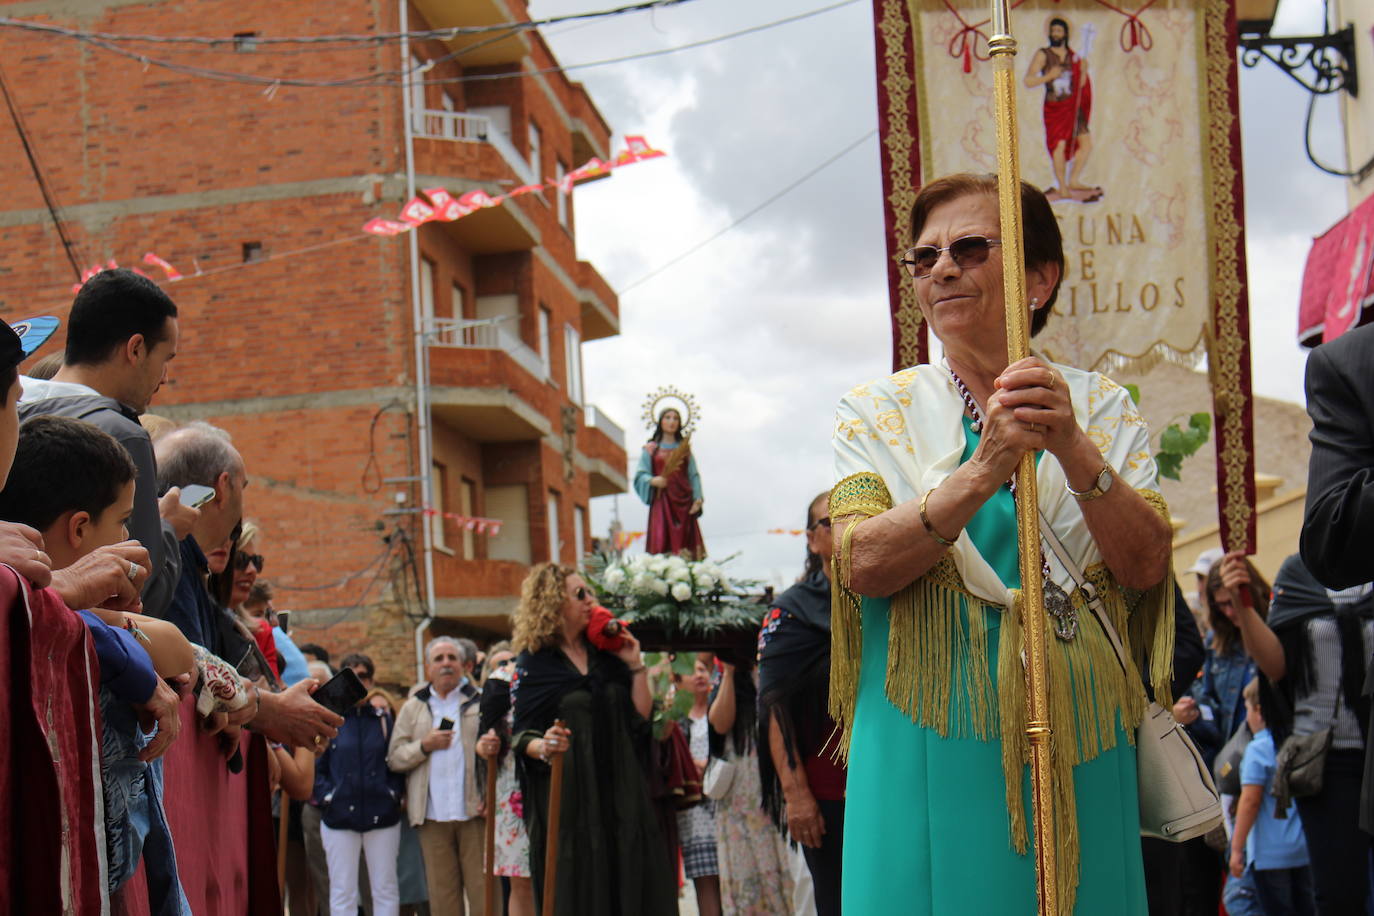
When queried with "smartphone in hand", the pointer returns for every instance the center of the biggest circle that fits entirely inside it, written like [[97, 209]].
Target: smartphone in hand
[[446, 724], [341, 692], [196, 495]]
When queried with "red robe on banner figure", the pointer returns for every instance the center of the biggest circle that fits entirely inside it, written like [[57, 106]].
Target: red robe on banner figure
[[668, 482], [1068, 108]]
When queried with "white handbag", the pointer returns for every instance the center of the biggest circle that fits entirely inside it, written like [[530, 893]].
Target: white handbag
[[719, 778], [1178, 800]]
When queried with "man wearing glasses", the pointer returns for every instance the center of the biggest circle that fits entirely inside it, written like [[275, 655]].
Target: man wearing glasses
[[434, 744]]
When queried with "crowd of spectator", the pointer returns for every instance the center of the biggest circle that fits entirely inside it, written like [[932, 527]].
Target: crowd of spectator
[[174, 716]]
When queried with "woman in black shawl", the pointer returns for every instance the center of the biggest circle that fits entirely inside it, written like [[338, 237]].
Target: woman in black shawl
[[611, 857], [803, 785], [1312, 654]]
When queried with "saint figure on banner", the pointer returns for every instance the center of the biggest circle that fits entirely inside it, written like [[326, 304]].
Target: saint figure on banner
[[1068, 106], [668, 482]]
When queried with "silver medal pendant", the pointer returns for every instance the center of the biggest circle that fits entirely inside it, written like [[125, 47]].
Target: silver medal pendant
[[1061, 610]]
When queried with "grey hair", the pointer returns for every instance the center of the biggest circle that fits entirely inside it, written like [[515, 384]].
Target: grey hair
[[195, 453], [469, 650], [452, 641]]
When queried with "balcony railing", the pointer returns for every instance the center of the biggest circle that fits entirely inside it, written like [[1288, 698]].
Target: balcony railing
[[598, 420], [471, 128], [487, 334]]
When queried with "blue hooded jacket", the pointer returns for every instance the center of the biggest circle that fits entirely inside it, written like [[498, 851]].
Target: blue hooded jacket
[[353, 786]]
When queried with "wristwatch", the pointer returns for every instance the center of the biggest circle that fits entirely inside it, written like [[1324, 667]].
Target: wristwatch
[[1101, 484]]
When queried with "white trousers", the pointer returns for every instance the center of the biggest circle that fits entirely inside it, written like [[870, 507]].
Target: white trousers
[[341, 850]]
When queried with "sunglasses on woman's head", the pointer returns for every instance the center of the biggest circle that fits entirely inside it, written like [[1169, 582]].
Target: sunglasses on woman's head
[[241, 560], [969, 251]]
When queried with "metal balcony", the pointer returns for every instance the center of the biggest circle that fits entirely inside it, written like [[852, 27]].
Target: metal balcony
[[487, 334], [470, 128]]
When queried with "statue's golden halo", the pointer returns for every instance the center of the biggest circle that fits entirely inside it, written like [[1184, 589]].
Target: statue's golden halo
[[668, 397]]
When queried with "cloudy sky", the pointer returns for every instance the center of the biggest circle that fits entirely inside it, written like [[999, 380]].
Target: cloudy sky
[[770, 323]]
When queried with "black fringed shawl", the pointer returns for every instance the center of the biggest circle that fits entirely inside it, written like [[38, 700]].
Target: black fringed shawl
[[543, 678], [794, 681], [1298, 597]]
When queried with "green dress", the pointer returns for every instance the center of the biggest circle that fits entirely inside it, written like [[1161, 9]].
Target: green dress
[[926, 825]]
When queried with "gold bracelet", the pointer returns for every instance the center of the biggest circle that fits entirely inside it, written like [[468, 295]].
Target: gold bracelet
[[930, 529]]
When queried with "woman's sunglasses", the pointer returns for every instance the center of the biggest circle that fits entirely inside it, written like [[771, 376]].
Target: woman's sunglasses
[[241, 560], [969, 251]]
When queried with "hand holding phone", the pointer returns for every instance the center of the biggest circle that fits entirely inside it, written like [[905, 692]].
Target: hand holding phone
[[341, 692]]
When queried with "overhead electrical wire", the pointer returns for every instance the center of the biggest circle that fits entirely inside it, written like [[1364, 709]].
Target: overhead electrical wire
[[374, 39], [48, 200], [831, 160], [385, 78]]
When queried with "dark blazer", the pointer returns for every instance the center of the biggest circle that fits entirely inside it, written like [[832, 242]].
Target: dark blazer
[[1338, 526]]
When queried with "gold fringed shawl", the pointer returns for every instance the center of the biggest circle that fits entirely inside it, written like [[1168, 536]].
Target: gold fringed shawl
[[939, 672]]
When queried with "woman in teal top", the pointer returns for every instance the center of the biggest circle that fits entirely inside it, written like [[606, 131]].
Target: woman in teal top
[[927, 677]]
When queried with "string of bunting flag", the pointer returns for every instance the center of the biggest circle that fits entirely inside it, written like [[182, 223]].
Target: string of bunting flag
[[444, 207], [440, 206], [487, 526]]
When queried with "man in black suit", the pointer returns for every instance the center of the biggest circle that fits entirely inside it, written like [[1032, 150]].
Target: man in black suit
[[1338, 525]]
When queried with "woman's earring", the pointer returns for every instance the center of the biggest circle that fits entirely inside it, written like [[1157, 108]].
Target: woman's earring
[[1035, 303]]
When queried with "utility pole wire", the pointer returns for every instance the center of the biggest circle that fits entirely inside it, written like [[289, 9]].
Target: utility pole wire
[[771, 200], [38, 177], [370, 80]]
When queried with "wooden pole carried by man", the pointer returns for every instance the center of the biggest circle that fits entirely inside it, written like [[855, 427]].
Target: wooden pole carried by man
[[1002, 47]]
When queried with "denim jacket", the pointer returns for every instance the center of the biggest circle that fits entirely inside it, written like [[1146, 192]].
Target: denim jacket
[[1221, 706], [135, 823]]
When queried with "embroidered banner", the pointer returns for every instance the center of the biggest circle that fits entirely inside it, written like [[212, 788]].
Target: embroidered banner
[[1128, 121]]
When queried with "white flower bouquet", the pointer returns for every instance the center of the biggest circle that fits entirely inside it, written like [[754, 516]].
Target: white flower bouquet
[[690, 597]]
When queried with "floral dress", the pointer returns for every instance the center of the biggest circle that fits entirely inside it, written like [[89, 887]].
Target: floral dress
[[755, 875], [512, 852]]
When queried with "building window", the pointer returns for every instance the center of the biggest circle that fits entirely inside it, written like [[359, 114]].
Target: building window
[[559, 171], [467, 499], [511, 504], [545, 356], [536, 152], [427, 291], [245, 41], [572, 342], [439, 504], [252, 252], [579, 533], [555, 544]]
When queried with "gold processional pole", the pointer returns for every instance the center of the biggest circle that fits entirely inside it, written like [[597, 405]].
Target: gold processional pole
[[1003, 50]]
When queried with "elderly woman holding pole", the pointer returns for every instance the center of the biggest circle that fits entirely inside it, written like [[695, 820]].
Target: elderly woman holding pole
[[608, 852], [928, 678]]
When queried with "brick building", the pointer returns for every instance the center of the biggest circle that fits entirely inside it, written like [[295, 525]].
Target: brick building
[[296, 329]]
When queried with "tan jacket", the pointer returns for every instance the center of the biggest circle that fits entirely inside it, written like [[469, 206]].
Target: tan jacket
[[405, 755]]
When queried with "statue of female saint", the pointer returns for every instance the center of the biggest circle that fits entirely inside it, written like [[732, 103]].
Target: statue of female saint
[[668, 482]]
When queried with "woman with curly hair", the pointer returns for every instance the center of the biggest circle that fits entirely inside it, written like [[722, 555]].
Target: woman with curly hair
[[610, 853]]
